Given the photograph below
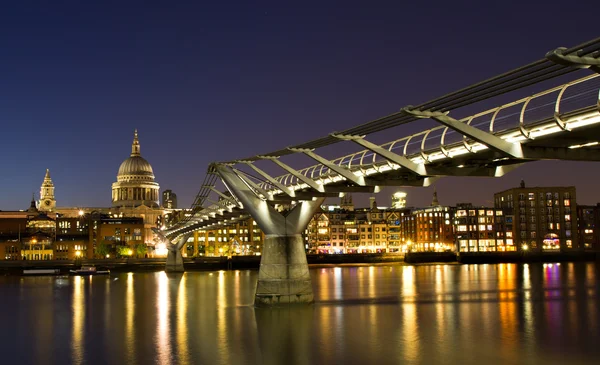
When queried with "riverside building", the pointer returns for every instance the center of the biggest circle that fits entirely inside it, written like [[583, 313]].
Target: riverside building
[[483, 229], [544, 218]]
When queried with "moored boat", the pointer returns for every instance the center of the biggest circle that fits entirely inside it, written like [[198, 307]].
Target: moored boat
[[89, 270], [41, 271]]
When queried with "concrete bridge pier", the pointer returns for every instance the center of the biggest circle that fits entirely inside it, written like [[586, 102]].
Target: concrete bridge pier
[[174, 257], [283, 277]]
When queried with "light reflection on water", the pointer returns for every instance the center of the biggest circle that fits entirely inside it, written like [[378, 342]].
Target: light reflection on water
[[506, 313]]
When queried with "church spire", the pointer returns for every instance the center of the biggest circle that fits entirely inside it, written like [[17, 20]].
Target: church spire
[[47, 177], [32, 207], [435, 202], [135, 146]]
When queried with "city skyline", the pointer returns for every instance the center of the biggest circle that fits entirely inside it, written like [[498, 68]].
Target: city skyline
[[72, 99]]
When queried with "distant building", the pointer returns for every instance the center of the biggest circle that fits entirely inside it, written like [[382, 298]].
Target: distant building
[[544, 217], [169, 199], [588, 223], [399, 200]]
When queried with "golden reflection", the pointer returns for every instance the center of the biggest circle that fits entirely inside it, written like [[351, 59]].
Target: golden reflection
[[222, 334], [324, 292], [182, 328], [337, 283], [408, 283], [440, 306], [507, 307], [107, 306], [527, 306], [371, 280], [129, 319], [78, 309], [410, 332], [163, 344]]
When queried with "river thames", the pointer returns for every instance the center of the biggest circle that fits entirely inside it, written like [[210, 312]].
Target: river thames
[[392, 314]]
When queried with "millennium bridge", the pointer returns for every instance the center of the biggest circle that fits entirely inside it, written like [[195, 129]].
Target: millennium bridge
[[557, 119]]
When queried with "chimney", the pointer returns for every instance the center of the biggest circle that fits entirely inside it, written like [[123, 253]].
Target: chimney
[[372, 202]]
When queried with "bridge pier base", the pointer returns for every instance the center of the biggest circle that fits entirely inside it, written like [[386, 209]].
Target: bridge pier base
[[283, 277], [174, 261]]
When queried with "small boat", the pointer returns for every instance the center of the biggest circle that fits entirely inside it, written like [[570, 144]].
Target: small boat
[[41, 271], [89, 270]]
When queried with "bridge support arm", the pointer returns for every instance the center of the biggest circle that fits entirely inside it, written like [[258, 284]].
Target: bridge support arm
[[347, 174], [310, 182], [418, 169], [496, 143], [271, 179]]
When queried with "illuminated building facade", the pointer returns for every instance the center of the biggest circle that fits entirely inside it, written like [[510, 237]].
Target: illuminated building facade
[[544, 217], [588, 224], [169, 199], [243, 238], [434, 230], [481, 229], [399, 200]]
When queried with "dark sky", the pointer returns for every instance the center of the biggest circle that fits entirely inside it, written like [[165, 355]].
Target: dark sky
[[218, 80]]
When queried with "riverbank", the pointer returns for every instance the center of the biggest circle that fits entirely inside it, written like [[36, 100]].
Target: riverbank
[[205, 263]]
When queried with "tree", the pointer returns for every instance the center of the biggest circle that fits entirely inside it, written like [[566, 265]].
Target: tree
[[141, 249], [102, 250], [124, 251]]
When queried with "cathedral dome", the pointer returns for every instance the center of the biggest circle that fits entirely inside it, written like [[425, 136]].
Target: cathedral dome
[[135, 165], [135, 184]]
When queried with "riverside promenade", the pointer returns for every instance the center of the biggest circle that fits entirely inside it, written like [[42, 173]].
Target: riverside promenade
[[206, 263]]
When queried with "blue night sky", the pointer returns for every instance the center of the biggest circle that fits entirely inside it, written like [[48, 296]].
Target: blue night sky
[[219, 80]]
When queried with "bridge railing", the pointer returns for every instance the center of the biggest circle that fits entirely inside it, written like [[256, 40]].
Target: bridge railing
[[524, 112]]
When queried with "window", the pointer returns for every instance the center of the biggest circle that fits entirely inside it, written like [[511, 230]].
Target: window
[[531, 196], [567, 203]]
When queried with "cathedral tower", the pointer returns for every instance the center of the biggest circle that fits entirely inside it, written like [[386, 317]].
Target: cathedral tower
[[47, 199]]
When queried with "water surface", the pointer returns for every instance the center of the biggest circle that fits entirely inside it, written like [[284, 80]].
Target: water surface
[[424, 314]]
